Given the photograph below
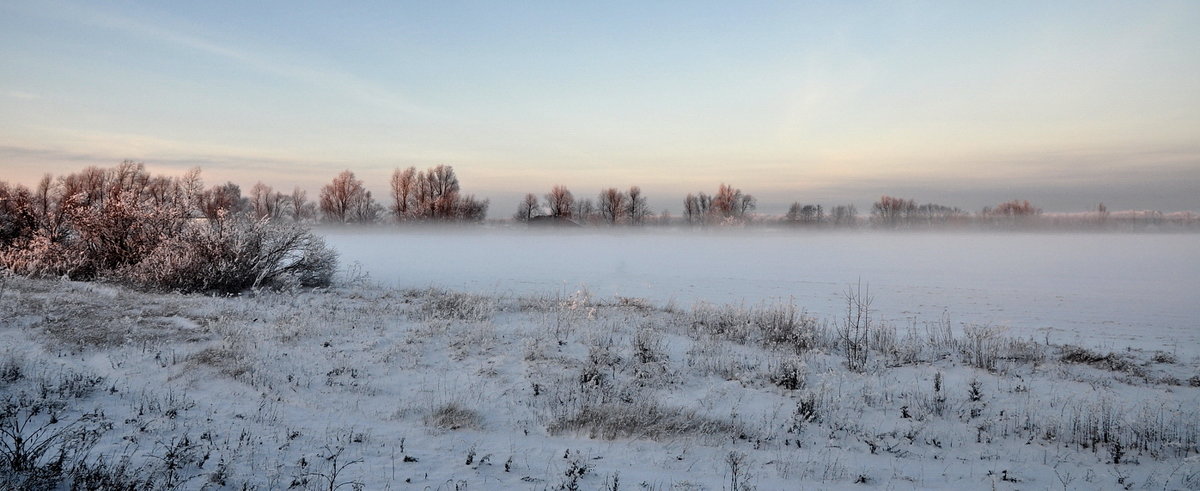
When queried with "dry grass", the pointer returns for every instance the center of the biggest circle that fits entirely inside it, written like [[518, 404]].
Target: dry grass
[[453, 416], [641, 420]]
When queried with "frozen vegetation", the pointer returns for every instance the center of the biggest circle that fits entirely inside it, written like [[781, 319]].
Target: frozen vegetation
[[392, 382]]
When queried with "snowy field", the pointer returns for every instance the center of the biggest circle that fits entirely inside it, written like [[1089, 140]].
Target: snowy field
[[659, 361], [1098, 290]]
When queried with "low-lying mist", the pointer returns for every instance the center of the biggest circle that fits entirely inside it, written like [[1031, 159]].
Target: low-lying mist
[[1091, 288]]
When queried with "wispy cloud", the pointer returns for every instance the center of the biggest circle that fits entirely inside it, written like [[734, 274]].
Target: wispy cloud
[[19, 94], [281, 64]]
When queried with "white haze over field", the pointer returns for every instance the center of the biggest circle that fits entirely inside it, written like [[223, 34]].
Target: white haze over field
[[1101, 290]]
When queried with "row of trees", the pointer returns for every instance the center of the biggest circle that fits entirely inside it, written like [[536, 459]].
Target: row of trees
[[435, 195], [430, 195], [612, 206], [893, 212], [729, 205]]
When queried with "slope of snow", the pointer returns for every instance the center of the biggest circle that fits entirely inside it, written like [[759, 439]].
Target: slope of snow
[[437, 389]]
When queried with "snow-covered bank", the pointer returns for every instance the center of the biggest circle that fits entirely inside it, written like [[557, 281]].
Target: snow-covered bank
[[449, 390]]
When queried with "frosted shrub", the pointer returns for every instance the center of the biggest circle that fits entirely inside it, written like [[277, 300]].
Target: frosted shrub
[[123, 222], [981, 347], [774, 326], [782, 326], [442, 304], [230, 256], [725, 321], [790, 373], [40, 256]]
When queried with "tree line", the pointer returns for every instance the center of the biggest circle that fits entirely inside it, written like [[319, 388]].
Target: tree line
[[435, 195]]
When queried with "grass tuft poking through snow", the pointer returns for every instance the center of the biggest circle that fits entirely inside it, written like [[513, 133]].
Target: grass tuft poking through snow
[[453, 416]]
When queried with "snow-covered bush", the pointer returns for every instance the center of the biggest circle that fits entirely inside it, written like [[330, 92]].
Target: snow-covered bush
[[442, 304], [233, 255], [39, 255], [123, 222], [790, 373]]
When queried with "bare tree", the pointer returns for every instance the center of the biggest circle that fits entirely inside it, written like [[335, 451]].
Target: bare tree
[[403, 192], [932, 213], [298, 206], [365, 210], [664, 218], [636, 210], [345, 200], [612, 205], [527, 208], [222, 200], [469, 209], [559, 202], [1011, 213], [891, 211], [585, 211], [437, 192], [693, 210], [844, 215], [805, 214], [726, 200], [43, 204], [744, 204], [1014, 208], [728, 204], [265, 202]]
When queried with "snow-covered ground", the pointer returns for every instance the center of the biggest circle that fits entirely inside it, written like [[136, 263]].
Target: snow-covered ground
[[1099, 290], [376, 387]]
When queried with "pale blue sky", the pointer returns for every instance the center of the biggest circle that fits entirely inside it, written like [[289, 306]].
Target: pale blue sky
[[962, 103]]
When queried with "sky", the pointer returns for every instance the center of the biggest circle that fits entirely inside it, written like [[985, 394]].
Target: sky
[[1066, 104]]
